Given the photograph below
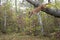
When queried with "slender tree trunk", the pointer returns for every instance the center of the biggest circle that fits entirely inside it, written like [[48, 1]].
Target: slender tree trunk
[[0, 2], [41, 24], [4, 22], [49, 1], [16, 5], [16, 12]]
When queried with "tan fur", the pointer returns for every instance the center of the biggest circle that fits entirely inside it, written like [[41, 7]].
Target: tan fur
[[37, 9]]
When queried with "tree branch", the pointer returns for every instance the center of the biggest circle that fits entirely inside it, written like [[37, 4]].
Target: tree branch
[[36, 4]]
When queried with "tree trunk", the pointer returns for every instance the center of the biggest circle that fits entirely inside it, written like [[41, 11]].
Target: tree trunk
[[41, 24], [0, 2], [16, 5], [4, 27]]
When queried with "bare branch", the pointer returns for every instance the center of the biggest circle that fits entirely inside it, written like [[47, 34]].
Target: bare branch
[[36, 4]]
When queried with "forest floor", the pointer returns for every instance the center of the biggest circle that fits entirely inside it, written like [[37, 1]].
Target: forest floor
[[16, 36]]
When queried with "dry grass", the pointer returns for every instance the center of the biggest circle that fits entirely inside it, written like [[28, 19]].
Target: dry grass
[[18, 37]]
